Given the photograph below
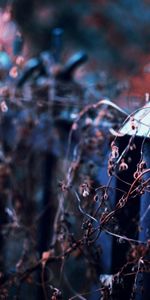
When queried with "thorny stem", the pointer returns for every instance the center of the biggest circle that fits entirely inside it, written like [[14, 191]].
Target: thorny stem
[[122, 237], [125, 199]]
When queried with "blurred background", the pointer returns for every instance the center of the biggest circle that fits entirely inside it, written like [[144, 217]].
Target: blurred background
[[114, 34]]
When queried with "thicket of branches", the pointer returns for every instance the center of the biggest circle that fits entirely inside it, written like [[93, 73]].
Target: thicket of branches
[[71, 183]]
